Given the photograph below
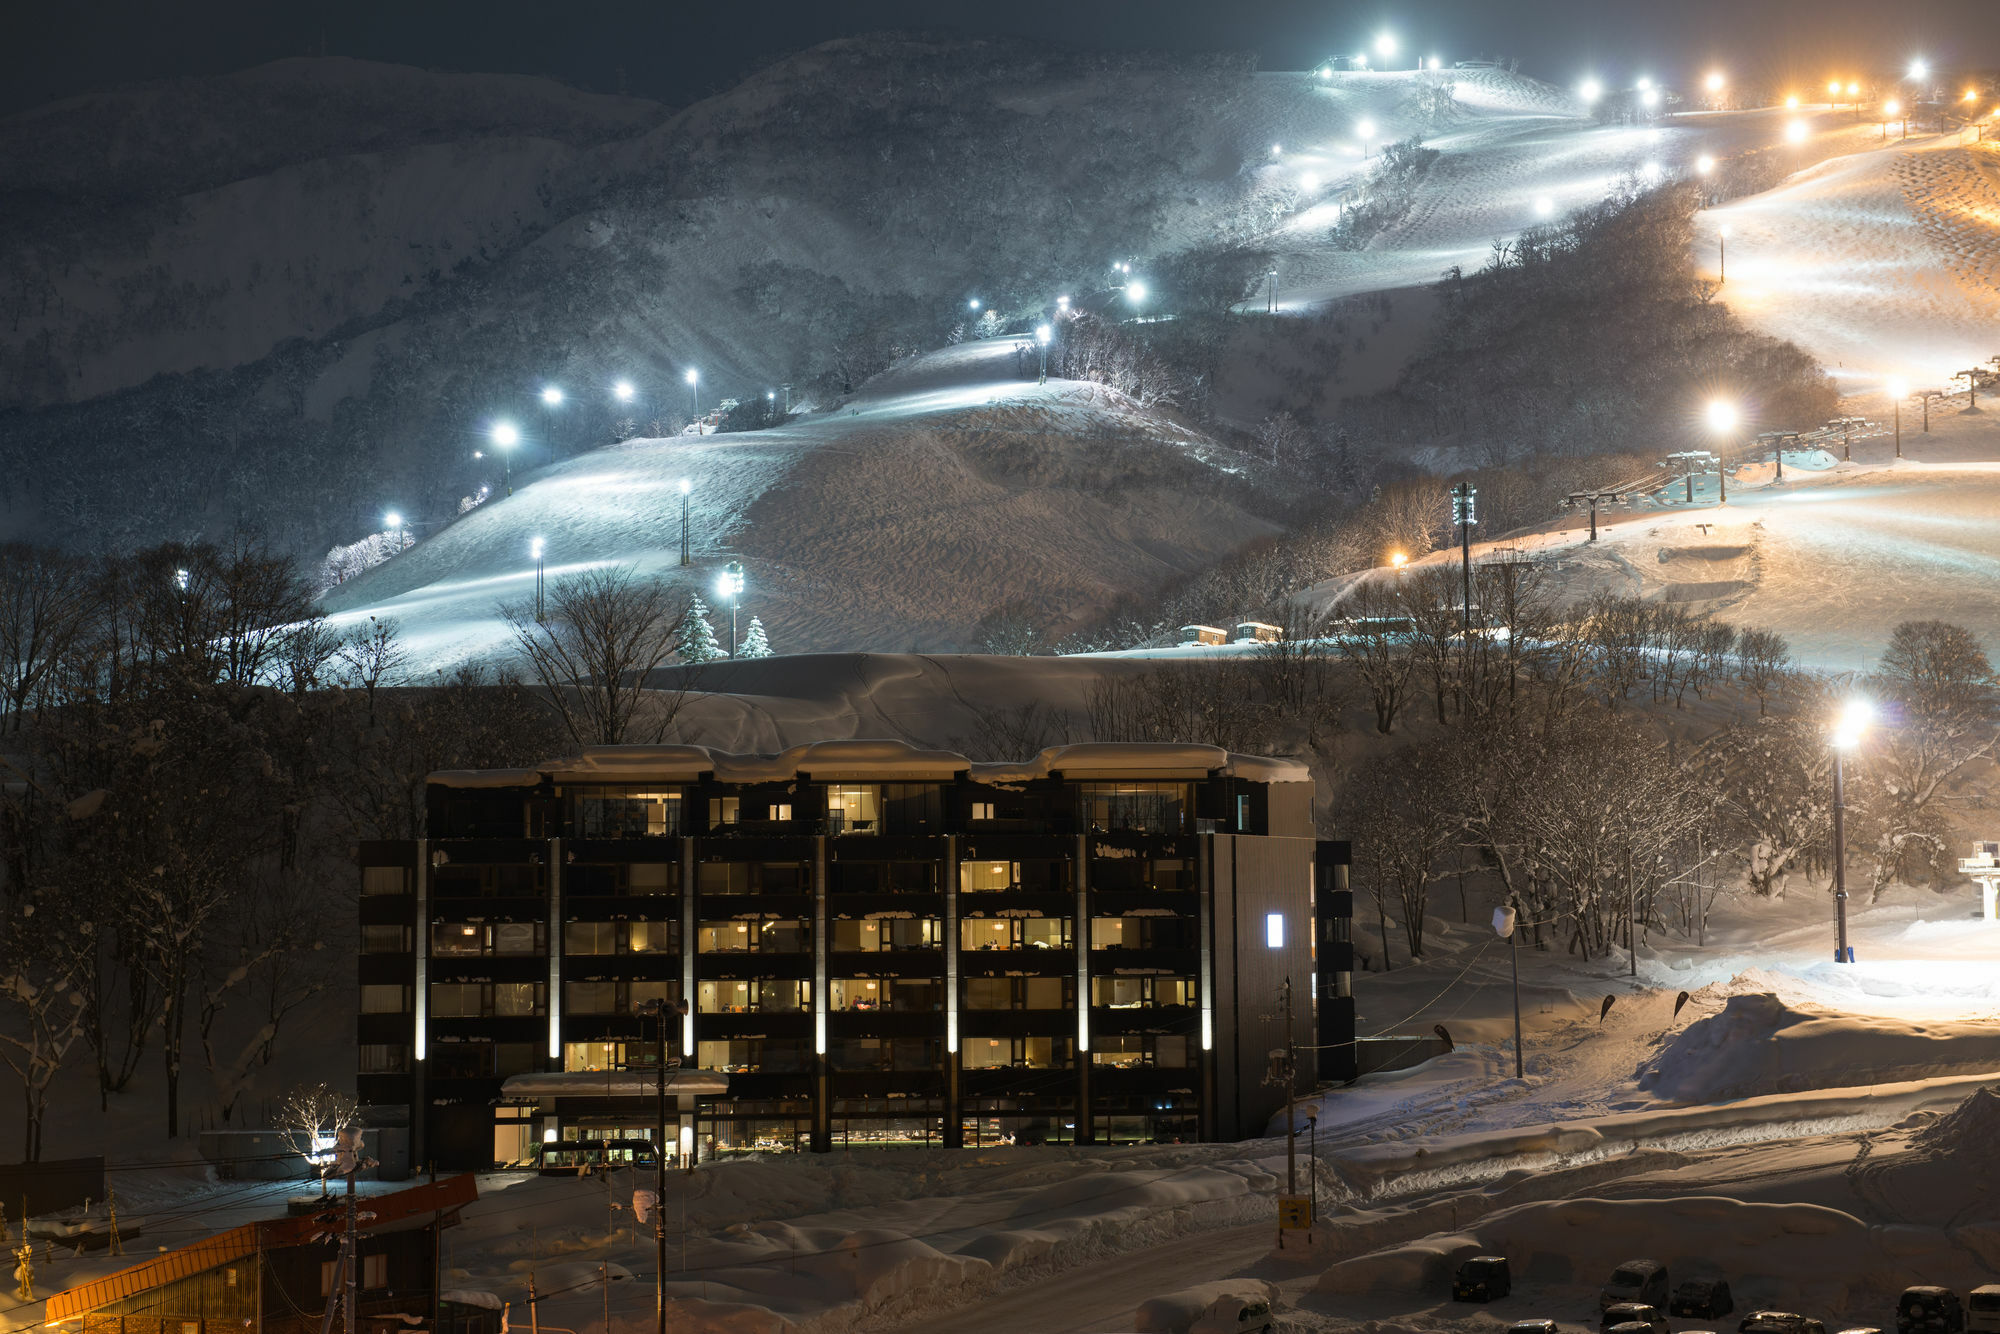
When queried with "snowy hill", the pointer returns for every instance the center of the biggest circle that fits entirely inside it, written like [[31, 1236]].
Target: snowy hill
[[947, 488]]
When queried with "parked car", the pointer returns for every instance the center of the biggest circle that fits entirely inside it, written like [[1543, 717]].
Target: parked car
[[1635, 1281], [1483, 1278], [1640, 1316], [1982, 1310], [1702, 1298], [1253, 1318], [1929, 1310], [1862, 1329], [1779, 1322], [1532, 1327]]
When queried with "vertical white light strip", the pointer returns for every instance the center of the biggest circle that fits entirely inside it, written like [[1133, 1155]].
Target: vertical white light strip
[[950, 874], [555, 950], [1205, 879], [1082, 943], [819, 999], [688, 919], [421, 946]]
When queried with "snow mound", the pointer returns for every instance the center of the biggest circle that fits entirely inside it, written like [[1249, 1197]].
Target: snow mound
[[1970, 1132], [1761, 1045], [1204, 1307]]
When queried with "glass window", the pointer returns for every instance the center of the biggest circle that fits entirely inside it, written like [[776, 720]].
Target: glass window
[[517, 938], [391, 999], [851, 935], [590, 938], [653, 937], [455, 1000], [592, 1055], [1032, 1053], [882, 1054], [982, 810], [722, 812], [514, 1058], [784, 878], [614, 812], [1135, 1051], [974, 877], [744, 1055], [769, 935], [385, 940], [1152, 808], [989, 993], [384, 880], [724, 877], [853, 808], [449, 938], [1016, 993], [760, 996], [1013, 933], [517, 998], [384, 1058], [590, 997], [642, 992], [653, 878], [858, 993]]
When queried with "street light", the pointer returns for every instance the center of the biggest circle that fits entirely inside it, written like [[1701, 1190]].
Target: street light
[[1919, 69], [730, 585], [1277, 150], [972, 304], [1722, 422], [505, 437], [1722, 253], [535, 548], [1899, 389], [1704, 164], [1042, 340], [1505, 923], [1544, 206], [1714, 81], [1796, 132], [1792, 103], [395, 523], [1890, 110], [1590, 90], [1846, 736], [693, 378], [552, 399], [1649, 97], [1385, 46], [1365, 130]]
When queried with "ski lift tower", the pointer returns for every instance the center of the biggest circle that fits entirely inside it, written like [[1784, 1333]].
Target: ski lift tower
[[1984, 866]]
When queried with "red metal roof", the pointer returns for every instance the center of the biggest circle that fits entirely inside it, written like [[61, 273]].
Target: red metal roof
[[271, 1234]]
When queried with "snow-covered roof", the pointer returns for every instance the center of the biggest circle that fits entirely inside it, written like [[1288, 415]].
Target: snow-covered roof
[[879, 760]]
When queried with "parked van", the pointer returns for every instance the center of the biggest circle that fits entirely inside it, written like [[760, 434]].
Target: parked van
[[1982, 1310], [1483, 1278], [1635, 1281]]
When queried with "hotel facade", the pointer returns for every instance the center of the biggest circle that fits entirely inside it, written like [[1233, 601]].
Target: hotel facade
[[876, 945]]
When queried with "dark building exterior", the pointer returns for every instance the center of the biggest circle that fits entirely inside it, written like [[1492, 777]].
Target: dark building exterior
[[877, 944]]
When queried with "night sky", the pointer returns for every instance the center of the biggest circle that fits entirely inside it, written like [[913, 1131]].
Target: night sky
[[680, 52]]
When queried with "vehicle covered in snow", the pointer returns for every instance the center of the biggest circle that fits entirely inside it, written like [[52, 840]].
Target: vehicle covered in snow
[[1927, 1309], [1779, 1322], [1982, 1309], [1635, 1281], [1633, 1318], [1702, 1298], [1532, 1327], [1483, 1278]]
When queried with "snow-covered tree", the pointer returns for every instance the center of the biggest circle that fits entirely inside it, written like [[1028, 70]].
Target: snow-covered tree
[[594, 644], [697, 642], [755, 642]]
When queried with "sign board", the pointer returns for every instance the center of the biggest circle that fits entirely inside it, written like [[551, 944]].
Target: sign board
[[1295, 1213]]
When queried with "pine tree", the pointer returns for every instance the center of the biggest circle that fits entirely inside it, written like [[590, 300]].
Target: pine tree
[[698, 637], [755, 644]]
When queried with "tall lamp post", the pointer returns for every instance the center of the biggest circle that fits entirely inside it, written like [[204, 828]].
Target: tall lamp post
[[660, 1009], [395, 522], [552, 398], [1846, 736], [1722, 254], [505, 436], [1042, 342], [730, 585], [1504, 924], [536, 549], [1899, 390], [686, 487], [693, 378], [1722, 419]]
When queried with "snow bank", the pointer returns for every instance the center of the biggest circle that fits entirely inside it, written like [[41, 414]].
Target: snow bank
[[1202, 1308], [1761, 1045]]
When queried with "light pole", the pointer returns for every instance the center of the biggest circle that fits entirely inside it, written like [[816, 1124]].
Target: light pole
[[1889, 110], [660, 1009], [1271, 302], [1846, 735], [535, 549], [693, 378], [686, 487], [1504, 924], [552, 398], [505, 437], [730, 585], [1366, 131], [1042, 342], [1898, 391], [395, 522], [1722, 254], [1464, 501], [1722, 419]]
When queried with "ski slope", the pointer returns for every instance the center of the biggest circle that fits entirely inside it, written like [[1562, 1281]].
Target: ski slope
[[947, 488]]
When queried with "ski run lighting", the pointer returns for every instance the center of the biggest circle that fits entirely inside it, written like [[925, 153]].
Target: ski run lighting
[[552, 396], [1722, 416], [1796, 132], [1590, 90], [622, 391], [1136, 290], [506, 435]]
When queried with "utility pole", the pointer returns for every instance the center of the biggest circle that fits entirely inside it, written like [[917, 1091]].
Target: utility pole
[[1594, 499], [1464, 497]]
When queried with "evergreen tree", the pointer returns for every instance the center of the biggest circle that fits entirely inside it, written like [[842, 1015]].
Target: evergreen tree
[[755, 644], [698, 637]]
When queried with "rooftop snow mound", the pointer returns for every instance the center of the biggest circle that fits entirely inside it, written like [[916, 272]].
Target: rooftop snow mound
[[1760, 1045], [870, 758]]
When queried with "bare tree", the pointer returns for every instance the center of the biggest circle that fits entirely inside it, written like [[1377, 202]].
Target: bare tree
[[313, 1114], [45, 604], [1402, 827], [1763, 659], [372, 656], [600, 636], [43, 1018], [1371, 638]]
